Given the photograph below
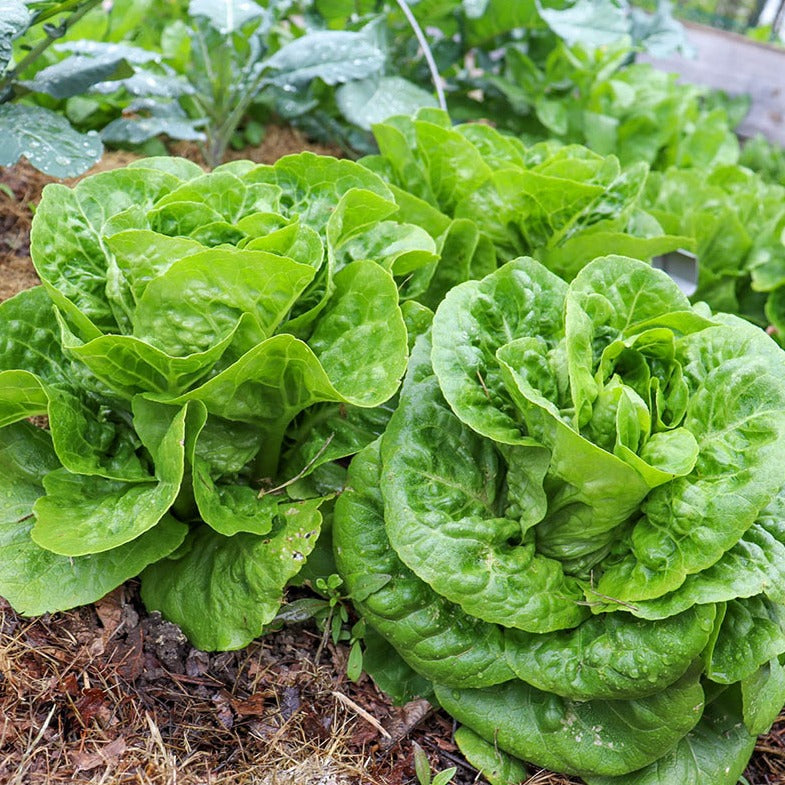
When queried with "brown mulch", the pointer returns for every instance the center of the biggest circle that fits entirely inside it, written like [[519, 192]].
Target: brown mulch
[[278, 141], [111, 694], [25, 185]]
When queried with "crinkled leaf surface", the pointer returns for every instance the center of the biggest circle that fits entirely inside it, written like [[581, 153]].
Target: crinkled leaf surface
[[715, 751], [313, 185], [689, 523], [574, 737], [444, 516], [433, 635], [755, 564], [611, 656], [40, 379], [81, 514], [361, 321], [131, 365], [199, 300], [36, 580], [751, 634], [28, 338], [67, 239], [476, 319], [215, 613], [142, 255]]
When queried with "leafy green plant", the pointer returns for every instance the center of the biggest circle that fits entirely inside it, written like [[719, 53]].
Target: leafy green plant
[[44, 137], [473, 45], [234, 54], [422, 768], [579, 506], [565, 205], [187, 325], [764, 157], [529, 62], [228, 55], [595, 96], [555, 71], [56, 78], [333, 617], [736, 220], [330, 612], [204, 72]]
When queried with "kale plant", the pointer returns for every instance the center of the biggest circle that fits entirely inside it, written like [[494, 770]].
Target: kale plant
[[43, 136], [573, 527], [56, 68]]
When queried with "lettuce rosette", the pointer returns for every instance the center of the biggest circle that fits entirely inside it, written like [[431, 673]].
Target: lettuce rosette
[[186, 325], [573, 528], [562, 204], [737, 221]]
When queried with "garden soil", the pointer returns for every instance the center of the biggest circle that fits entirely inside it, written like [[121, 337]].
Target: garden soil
[[111, 695]]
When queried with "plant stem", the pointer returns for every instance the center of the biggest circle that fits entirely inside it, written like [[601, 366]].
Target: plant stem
[[223, 134], [42, 46], [426, 50], [266, 464], [56, 10]]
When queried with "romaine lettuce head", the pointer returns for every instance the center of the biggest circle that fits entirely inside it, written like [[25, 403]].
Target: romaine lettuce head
[[186, 322], [562, 204], [574, 524], [736, 220]]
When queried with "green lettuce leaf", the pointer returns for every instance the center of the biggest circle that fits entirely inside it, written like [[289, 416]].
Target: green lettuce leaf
[[715, 751], [591, 737], [81, 514], [433, 636], [36, 580], [450, 531], [192, 590]]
